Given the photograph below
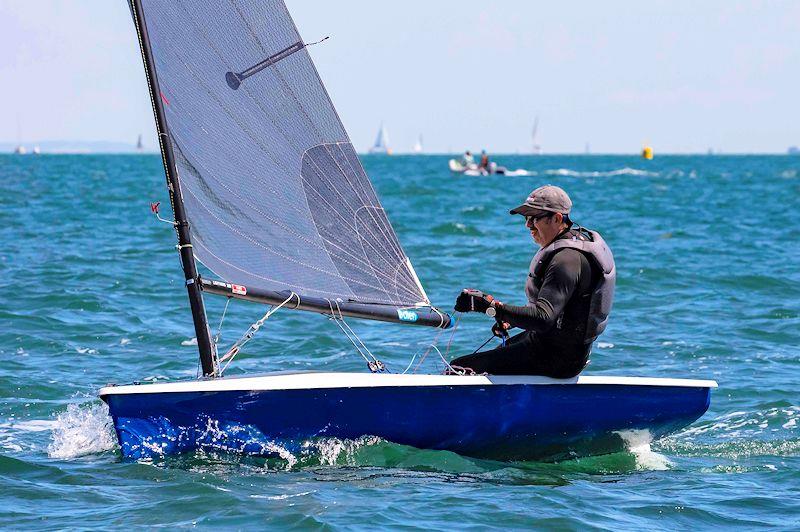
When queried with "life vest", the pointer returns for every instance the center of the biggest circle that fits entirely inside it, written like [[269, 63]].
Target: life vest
[[592, 245]]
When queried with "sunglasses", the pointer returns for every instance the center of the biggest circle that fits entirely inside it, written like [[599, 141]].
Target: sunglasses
[[530, 220]]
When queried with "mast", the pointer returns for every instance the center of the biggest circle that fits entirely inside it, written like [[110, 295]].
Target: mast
[[201, 329]]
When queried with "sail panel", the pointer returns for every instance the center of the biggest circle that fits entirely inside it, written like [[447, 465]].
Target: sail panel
[[275, 194]]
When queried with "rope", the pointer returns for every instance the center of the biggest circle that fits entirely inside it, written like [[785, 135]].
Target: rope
[[222, 319], [374, 365], [250, 333], [435, 341]]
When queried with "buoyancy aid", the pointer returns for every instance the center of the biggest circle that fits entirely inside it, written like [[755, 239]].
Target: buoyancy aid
[[592, 245]]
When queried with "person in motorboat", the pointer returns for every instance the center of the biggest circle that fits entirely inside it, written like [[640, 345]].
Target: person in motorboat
[[569, 288], [467, 159], [488, 167], [484, 164]]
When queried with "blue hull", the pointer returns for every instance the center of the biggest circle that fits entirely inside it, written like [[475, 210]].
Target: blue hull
[[496, 421]]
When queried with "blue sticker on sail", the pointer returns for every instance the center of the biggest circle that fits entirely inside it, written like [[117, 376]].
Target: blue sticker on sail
[[407, 315]]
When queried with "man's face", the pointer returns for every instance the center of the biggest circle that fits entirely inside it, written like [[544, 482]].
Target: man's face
[[544, 226]]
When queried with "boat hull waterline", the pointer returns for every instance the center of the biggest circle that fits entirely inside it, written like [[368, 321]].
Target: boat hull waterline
[[500, 418]]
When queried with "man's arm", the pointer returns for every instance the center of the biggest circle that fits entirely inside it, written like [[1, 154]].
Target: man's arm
[[560, 280]]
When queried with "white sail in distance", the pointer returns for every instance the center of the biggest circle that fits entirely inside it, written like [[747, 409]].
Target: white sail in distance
[[381, 145]]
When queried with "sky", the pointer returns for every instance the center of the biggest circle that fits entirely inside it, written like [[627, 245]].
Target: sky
[[681, 76]]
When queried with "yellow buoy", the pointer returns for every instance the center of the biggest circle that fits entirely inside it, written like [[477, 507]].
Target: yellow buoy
[[647, 152]]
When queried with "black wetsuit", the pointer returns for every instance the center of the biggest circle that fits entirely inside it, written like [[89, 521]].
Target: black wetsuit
[[553, 342]]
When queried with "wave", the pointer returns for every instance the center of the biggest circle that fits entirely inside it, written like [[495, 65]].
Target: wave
[[611, 173], [772, 432]]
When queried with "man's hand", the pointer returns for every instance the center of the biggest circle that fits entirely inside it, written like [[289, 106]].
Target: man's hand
[[471, 300], [500, 329]]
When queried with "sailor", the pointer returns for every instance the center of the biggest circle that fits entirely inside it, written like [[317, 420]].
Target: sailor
[[569, 288]]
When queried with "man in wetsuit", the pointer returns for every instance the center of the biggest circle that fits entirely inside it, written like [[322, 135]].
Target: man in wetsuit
[[569, 289]]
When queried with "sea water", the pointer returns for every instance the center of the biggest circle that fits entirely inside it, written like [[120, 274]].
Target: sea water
[[708, 262]]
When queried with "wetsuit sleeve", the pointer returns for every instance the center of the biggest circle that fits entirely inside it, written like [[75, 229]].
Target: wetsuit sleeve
[[560, 280]]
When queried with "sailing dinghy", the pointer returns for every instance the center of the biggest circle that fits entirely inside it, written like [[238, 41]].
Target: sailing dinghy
[[268, 193]]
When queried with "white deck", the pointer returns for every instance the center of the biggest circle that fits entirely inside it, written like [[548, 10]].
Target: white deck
[[321, 380]]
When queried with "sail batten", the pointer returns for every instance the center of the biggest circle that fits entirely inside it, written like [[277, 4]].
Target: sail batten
[[275, 194]]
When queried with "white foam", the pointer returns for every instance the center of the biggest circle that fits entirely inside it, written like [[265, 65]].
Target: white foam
[[31, 425], [519, 173], [638, 442], [282, 497], [83, 429], [191, 341], [611, 173], [329, 450]]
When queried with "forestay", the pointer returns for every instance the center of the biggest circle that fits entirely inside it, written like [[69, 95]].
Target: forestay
[[275, 194]]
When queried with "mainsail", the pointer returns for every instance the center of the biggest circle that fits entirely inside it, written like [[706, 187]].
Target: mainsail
[[275, 195]]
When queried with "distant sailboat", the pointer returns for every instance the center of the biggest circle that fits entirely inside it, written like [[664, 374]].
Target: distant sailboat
[[418, 146], [381, 145], [536, 148], [20, 149], [139, 145], [36, 150]]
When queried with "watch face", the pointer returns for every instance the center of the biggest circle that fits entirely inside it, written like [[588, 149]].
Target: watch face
[[491, 312]]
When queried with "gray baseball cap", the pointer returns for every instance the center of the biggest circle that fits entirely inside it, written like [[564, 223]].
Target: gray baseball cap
[[547, 198]]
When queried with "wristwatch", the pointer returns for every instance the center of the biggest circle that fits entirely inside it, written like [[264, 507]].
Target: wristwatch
[[491, 311]]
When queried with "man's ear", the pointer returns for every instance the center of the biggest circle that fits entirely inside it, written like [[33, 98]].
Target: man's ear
[[558, 217]]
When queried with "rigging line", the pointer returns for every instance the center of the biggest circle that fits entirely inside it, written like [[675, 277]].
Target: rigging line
[[427, 351], [446, 363], [483, 344], [250, 333], [452, 335], [222, 319], [375, 366], [345, 324], [335, 319]]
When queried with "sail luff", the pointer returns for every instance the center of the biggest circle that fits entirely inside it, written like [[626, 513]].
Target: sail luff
[[202, 332]]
